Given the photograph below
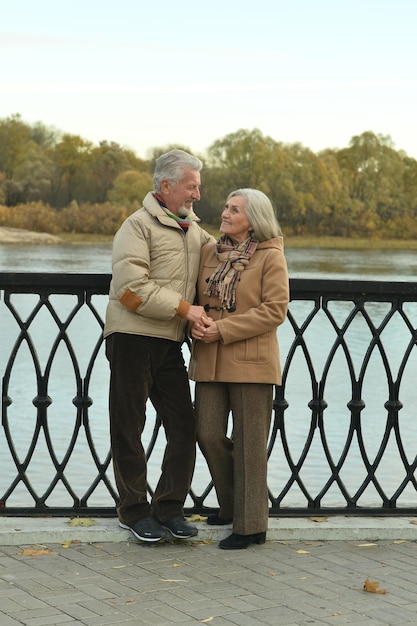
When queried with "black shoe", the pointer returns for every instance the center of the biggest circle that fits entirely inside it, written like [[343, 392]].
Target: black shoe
[[179, 528], [146, 529], [215, 520], [240, 542]]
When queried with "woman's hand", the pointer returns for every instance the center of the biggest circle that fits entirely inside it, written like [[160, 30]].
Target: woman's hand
[[205, 330]]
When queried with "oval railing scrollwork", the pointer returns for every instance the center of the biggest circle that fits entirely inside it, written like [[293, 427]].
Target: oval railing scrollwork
[[343, 436]]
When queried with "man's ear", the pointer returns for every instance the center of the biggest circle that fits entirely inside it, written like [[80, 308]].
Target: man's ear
[[165, 186]]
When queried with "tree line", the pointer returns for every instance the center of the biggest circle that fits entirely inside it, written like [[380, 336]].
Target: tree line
[[56, 181]]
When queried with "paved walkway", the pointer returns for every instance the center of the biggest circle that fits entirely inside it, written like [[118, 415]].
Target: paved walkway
[[307, 573]]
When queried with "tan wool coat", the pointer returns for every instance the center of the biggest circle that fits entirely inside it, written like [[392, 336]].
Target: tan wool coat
[[248, 350]]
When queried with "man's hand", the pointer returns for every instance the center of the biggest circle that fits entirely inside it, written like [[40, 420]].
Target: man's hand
[[196, 314]]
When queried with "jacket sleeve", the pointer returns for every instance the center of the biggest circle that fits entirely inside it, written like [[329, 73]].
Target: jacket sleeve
[[263, 316], [131, 261]]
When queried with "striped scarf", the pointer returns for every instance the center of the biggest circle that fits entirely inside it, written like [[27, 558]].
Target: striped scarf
[[232, 261], [184, 222]]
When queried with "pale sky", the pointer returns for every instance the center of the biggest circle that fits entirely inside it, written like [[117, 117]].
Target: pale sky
[[149, 73]]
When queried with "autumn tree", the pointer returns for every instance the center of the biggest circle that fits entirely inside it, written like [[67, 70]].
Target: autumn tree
[[14, 137], [375, 176], [107, 162], [71, 155], [130, 187], [241, 159]]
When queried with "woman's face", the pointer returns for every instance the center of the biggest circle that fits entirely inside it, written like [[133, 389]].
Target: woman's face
[[235, 223]]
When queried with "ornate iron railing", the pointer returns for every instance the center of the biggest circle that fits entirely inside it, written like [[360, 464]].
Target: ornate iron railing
[[344, 431]]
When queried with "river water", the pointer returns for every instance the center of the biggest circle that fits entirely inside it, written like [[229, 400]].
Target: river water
[[383, 265], [302, 263]]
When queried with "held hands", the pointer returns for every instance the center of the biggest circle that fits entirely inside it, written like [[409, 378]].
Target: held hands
[[203, 327], [205, 330]]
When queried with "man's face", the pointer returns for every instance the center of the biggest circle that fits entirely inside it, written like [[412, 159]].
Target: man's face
[[179, 198]]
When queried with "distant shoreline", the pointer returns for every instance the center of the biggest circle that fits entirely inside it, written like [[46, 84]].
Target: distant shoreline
[[21, 236], [343, 243]]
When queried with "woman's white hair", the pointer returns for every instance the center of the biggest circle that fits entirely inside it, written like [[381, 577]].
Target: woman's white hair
[[260, 213]]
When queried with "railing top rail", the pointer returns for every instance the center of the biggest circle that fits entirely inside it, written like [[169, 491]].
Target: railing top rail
[[302, 287], [59, 281]]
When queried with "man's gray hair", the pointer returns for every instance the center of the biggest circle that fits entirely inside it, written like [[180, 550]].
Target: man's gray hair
[[171, 166]]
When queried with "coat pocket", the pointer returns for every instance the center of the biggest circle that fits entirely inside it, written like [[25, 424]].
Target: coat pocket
[[253, 350]]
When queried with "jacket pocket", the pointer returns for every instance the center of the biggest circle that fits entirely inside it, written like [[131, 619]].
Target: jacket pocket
[[253, 350]]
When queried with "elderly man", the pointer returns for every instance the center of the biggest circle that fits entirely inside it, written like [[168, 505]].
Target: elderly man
[[155, 262]]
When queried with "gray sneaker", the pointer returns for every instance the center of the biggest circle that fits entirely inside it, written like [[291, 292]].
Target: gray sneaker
[[180, 528], [146, 529]]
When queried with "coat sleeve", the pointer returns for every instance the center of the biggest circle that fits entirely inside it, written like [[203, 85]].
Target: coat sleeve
[[262, 315]]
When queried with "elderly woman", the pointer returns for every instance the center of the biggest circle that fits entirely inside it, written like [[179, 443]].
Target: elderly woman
[[243, 286]]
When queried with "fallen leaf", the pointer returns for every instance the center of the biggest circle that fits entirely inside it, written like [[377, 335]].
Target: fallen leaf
[[197, 518], [302, 552], [372, 586], [271, 573], [318, 519], [173, 580], [208, 619], [66, 544], [413, 521], [398, 541], [366, 545], [28, 552], [81, 521], [176, 565]]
